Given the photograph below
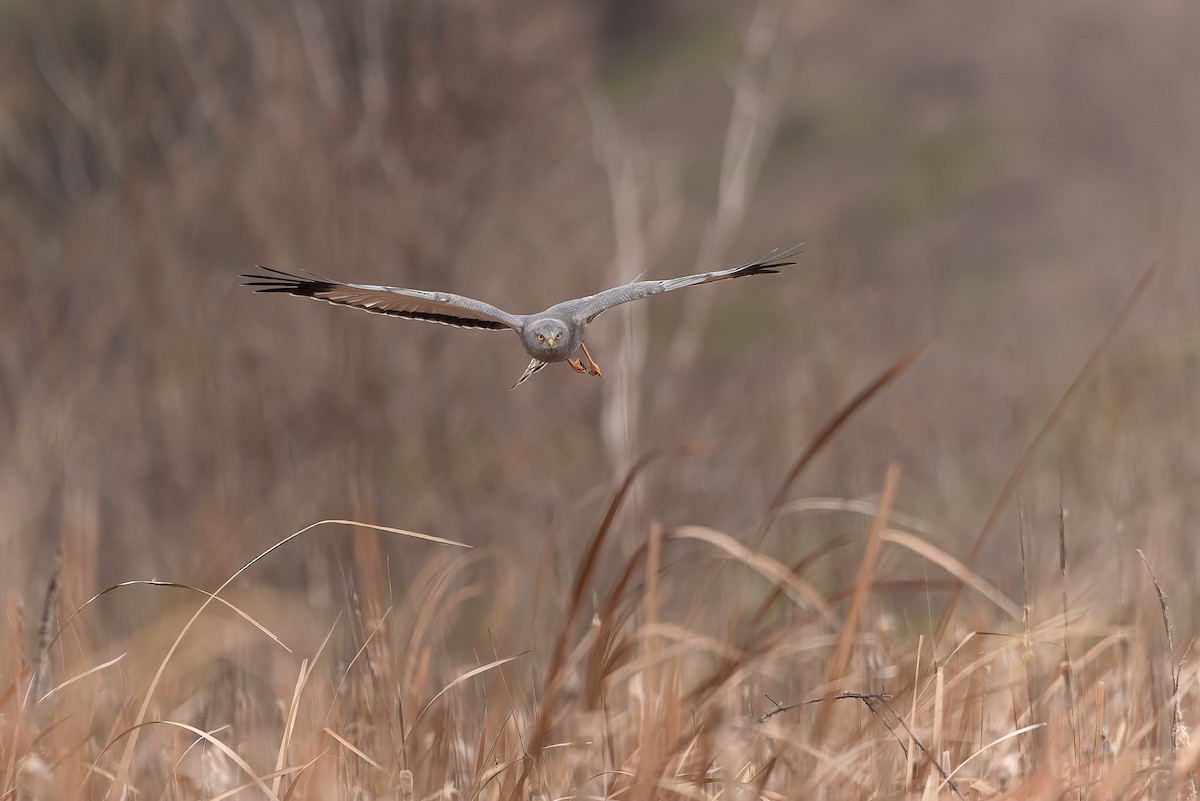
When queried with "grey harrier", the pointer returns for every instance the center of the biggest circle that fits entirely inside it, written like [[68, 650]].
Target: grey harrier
[[553, 335]]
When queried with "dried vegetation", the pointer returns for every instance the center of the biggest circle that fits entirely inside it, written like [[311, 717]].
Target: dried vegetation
[[788, 604]]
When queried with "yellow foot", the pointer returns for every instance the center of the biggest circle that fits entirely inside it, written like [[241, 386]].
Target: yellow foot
[[576, 365], [593, 368]]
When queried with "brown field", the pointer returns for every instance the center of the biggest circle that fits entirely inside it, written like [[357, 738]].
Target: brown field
[[913, 519]]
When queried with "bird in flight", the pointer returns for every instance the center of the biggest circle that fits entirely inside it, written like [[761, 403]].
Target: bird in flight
[[554, 335]]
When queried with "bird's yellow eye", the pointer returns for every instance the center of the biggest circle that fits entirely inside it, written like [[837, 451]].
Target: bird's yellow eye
[[540, 338]]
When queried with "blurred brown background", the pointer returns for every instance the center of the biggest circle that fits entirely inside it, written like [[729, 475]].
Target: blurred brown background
[[996, 175]]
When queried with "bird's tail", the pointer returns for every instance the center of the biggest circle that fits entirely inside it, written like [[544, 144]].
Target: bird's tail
[[534, 366]]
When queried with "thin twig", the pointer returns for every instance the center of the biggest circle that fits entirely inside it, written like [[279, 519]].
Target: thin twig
[[781, 708], [871, 700]]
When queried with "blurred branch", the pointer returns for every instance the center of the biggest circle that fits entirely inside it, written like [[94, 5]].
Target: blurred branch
[[75, 97], [22, 159], [758, 91], [314, 33], [210, 104], [373, 83], [623, 162]]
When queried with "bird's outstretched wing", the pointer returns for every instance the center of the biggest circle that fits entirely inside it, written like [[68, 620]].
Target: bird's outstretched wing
[[587, 309], [412, 304]]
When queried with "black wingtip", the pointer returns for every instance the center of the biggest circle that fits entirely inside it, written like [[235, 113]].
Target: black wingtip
[[780, 257], [771, 261], [770, 268], [284, 282]]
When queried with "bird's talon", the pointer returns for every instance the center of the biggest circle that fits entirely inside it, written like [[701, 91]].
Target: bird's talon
[[576, 365], [593, 368]]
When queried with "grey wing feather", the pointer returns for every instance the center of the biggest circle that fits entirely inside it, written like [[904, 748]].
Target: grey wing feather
[[412, 304], [587, 309]]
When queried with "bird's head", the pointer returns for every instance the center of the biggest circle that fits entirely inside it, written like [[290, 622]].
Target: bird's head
[[548, 339]]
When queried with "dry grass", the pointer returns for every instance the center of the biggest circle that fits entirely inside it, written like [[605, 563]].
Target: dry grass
[[686, 671], [692, 669], [779, 552]]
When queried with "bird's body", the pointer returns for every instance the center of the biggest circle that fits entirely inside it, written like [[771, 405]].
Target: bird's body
[[550, 336]]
